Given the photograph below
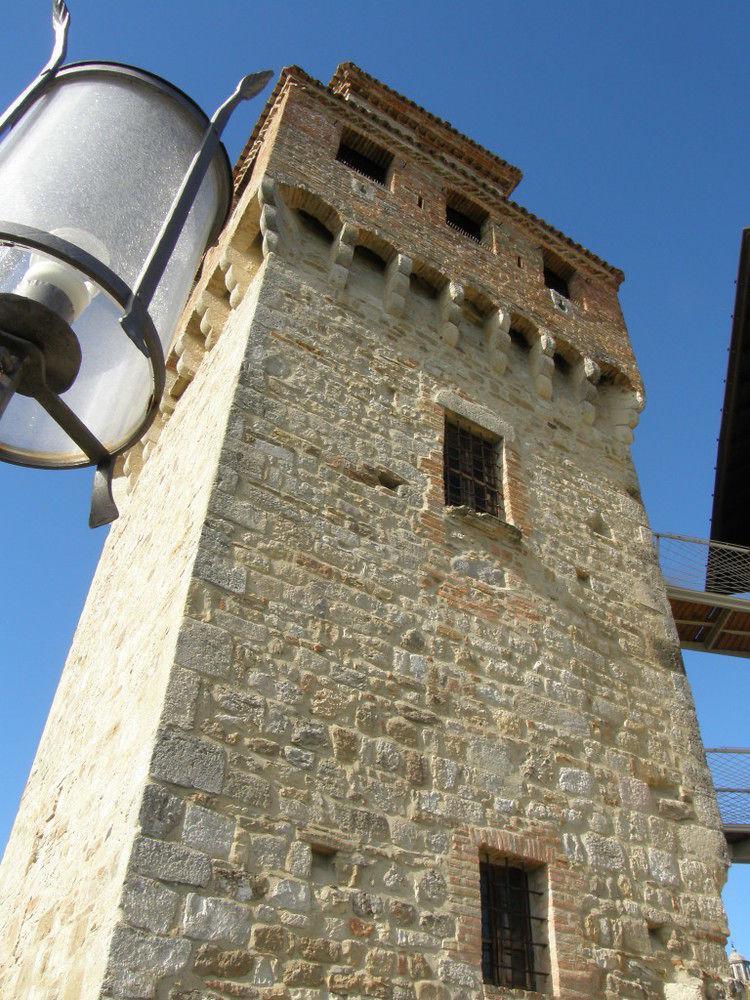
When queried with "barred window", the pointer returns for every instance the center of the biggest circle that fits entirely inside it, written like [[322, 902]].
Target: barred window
[[464, 216], [471, 460], [513, 931], [364, 156]]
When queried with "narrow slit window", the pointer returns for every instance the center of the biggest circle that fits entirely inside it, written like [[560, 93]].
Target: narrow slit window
[[465, 217], [470, 469], [364, 156], [513, 934]]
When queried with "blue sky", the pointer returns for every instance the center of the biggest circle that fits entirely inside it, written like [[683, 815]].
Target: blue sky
[[630, 124]]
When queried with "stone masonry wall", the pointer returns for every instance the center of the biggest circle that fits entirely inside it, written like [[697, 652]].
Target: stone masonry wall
[[63, 869], [384, 688]]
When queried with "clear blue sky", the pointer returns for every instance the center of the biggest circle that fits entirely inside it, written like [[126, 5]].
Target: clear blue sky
[[629, 121]]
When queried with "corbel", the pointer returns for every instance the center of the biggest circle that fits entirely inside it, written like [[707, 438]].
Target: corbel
[[397, 277], [497, 338], [342, 253], [585, 374], [271, 225], [542, 364], [450, 301], [626, 414]]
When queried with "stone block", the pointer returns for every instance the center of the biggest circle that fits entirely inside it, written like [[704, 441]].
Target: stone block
[[289, 894], [187, 761], [212, 959], [576, 781], [267, 853], [205, 648], [458, 974], [604, 853], [663, 866], [299, 973], [635, 794], [169, 862], [309, 735], [161, 811], [270, 939], [299, 860], [181, 698], [207, 831], [209, 918], [135, 951], [149, 905]]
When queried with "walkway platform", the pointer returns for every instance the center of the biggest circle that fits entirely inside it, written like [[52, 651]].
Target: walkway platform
[[730, 769], [708, 585]]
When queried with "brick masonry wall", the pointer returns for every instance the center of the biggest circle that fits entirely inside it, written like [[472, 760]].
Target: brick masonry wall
[[368, 689]]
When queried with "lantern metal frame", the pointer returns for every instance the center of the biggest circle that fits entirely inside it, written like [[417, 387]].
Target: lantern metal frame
[[27, 360]]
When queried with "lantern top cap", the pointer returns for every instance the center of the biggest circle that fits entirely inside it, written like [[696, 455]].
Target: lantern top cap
[[169, 90], [135, 72]]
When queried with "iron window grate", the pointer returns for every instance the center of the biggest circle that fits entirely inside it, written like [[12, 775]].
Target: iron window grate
[[510, 932], [464, 225], [361, 154], [464, 216], [470, 463]]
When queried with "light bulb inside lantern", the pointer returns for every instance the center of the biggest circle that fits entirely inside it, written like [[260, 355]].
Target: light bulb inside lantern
[[57, 285]]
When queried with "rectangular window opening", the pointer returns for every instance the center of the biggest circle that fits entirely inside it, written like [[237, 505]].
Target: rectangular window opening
[[557, 274], [364, 156], [514, 927], [471, 460], [464, 216]]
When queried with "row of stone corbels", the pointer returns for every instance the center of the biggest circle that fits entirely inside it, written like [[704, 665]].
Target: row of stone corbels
[[585, 373], [278, 233], [230, 267]]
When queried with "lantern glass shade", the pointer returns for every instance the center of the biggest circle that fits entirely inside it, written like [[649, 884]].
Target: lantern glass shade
[[97, 162]]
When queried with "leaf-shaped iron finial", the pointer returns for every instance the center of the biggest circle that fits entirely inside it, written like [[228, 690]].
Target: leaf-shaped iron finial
[[253, 83], [60, 25], [19, 107], [248, 87]]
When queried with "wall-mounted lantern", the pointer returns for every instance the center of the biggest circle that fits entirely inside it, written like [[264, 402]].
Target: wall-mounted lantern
[[112, 184]]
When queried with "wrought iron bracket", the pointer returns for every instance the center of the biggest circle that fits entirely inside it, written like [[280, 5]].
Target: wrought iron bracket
[[103, 507], [19, 358], [19, 107]]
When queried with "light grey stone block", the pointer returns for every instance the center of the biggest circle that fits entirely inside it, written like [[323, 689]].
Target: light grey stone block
[[576, 781], [161, 811], [181, 698], [207, 831], [604, 853], [205, 648], [137, 951], [149, 904], [170, 862], [662, 866], [210, 918], [289, 894], [188, 761]]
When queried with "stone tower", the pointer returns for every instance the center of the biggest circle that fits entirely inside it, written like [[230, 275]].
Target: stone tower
[[376, 692]]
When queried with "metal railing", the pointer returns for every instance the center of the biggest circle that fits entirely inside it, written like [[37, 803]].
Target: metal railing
[[704, 566], [730, 770]]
